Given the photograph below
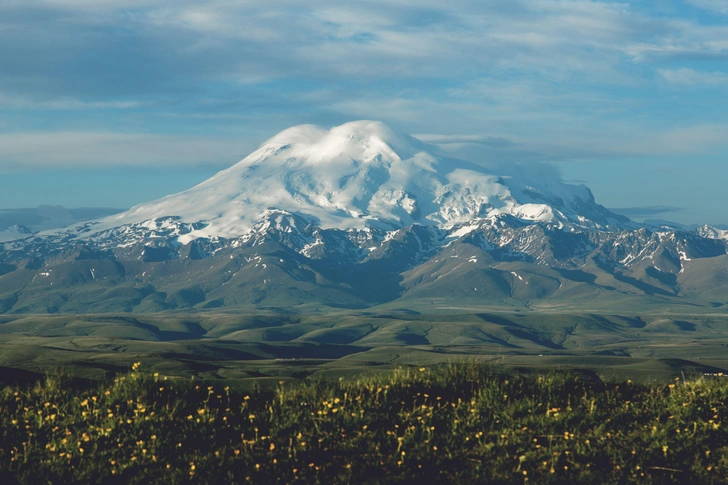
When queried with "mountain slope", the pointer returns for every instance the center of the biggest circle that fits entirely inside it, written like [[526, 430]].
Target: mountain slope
[[357, 175], [361, 216]]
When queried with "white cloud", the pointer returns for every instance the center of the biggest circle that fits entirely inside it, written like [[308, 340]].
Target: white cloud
[[486, 140], [711, 5], [582, 144], [690, 77], [98, 149], [539, 73], [370, 38], [696, 139], [62, 103]]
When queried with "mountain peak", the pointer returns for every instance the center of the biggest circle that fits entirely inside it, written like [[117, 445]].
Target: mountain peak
[[364, 140], [357, 175]]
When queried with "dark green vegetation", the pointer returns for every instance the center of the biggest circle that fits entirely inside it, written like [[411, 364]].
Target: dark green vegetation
[[253, 347], [446, 424]]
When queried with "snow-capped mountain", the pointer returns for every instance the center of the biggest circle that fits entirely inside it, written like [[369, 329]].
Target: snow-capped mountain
[[361, 215], [712, 232], [357, 175]]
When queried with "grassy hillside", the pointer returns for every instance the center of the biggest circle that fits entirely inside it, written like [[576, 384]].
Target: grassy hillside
[[241, 347], [447, 424]]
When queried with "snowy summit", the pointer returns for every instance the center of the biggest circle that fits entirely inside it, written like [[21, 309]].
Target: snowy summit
[[356, 175]]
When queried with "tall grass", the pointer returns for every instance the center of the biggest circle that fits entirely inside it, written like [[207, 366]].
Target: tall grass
[[451, 424]]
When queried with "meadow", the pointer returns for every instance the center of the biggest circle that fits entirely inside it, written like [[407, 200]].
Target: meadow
[[252, 348], [456, 423]]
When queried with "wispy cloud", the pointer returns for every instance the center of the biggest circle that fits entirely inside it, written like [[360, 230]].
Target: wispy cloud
[[647, 211], [95, 149], [62, 103], [711, 5], [691, 77], [556, 79], [489, 141], [182, 45]]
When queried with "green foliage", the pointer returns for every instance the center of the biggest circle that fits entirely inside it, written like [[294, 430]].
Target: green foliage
[[446, 424]]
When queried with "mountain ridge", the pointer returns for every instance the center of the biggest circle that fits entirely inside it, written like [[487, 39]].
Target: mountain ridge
[[356, 175], [358, 216]]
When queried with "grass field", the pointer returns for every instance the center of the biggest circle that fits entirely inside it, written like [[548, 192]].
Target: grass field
[[502, 397], [241, 348], [461, 423]]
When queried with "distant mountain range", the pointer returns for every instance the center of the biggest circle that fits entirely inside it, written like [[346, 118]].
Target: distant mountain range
[[20, 222], [363, 216]]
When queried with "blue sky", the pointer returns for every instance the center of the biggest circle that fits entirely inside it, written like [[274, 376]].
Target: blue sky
[[112, 103]]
